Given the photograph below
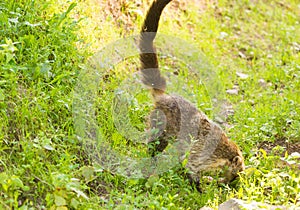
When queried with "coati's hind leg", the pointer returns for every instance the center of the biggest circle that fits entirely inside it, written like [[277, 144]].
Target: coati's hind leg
[[156, 146], [157, 141], [194, 180]]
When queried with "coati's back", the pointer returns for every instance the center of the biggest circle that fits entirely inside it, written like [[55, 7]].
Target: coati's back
[[176, 118]]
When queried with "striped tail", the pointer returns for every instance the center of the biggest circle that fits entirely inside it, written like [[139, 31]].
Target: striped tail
[[151, 76]]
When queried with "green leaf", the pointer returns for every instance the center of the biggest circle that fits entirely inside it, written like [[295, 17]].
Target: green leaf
[[59, 201], [9, 57], [2, 96], [87, 172], [78, 192], [3, 177], [74, 203], [48, 147], [62, 208], [16, 182]]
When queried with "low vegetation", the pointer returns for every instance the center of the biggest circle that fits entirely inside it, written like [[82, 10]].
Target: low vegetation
[[252, 46]]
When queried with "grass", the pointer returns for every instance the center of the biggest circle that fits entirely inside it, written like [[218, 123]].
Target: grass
[[43, 48]]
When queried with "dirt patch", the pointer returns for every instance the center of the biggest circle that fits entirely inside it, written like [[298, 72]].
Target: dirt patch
[[289, 147], [125, 12]]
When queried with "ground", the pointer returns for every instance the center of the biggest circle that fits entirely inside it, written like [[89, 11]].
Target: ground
[[252, 48]]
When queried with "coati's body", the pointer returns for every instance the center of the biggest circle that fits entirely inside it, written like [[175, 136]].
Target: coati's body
[[174, 118]]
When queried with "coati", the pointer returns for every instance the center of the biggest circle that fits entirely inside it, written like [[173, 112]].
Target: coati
[[174, 117]]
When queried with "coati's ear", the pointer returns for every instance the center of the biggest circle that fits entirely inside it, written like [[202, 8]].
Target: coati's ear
[[238, 162]]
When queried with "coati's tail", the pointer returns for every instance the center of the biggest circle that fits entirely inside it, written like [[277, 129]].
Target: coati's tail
[[151, 76]]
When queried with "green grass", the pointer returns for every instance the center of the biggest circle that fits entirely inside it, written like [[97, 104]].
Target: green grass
[[43, 48]]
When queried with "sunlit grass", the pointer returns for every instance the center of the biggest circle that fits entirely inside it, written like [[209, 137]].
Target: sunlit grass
[[43, 48]]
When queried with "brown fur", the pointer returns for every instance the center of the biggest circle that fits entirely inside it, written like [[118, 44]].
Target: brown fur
[[174, 118]]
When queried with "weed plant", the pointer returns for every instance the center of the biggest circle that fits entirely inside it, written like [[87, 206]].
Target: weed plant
[[253, 46]]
